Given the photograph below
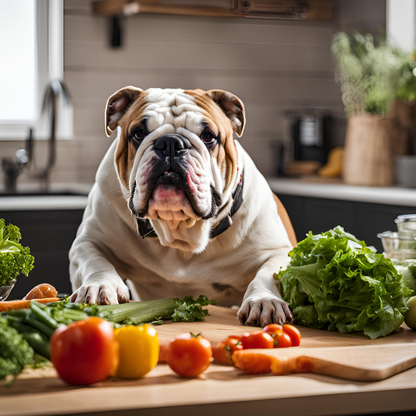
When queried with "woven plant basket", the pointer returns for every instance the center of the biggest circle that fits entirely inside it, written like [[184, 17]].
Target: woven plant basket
[[369, 151]]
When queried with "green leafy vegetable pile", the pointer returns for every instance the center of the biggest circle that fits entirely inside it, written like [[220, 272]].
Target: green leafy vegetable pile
[[14, 258], [15, 352], [25, 333], [336, 282], [190, 309]]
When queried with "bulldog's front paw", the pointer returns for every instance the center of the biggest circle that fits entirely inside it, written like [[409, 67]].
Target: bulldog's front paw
[[264, 311], [104, 294]]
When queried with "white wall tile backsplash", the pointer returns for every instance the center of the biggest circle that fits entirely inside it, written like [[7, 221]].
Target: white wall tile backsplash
[[271, 65]]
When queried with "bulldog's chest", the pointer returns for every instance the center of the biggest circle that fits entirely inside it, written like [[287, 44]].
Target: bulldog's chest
[[164, 272], [157, 287]]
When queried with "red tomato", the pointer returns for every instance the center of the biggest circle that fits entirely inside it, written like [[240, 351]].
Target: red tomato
[[84, 352], [257, 339], [189, 355], [281, 340], [223, 352], [272, 328], [294, 334]]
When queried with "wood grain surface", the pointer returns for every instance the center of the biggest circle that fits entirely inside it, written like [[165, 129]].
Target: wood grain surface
[[223, 322], [359, 363], [220, 390]]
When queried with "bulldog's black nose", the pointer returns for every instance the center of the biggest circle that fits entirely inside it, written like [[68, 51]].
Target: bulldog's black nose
[[172, 145]]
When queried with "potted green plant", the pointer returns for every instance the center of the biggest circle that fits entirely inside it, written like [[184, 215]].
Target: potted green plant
[[364, 72], [14, 258], [402, 110]]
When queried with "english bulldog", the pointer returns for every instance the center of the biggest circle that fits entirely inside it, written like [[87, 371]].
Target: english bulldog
[[179, 208]]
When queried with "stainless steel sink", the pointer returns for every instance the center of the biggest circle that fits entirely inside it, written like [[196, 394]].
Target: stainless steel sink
[[42, 193], [32, 199]]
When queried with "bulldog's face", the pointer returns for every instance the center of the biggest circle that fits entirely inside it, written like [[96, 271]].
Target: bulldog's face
[[176, 158]]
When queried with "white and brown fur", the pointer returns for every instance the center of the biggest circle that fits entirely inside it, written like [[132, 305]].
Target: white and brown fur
[[235, 267]]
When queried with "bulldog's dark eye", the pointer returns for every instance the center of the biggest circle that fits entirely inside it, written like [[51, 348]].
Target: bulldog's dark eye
[[208, 137], [138, 135]]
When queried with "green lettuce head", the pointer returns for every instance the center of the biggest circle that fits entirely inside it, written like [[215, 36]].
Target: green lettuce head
[[336, 282]]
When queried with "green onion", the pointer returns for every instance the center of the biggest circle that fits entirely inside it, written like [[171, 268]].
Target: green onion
[[44, 329], [43, 316], [67, 316], [39, 344], [19, 313], [18, 323]]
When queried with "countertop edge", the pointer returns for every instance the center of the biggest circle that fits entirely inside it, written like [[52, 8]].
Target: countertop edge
[[387, 196]]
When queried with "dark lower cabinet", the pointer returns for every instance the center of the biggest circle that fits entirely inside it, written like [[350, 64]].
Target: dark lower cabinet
[[364, 220], [49, 234]]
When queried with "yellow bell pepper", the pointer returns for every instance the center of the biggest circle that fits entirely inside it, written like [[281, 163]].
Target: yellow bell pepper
[[138, 350]]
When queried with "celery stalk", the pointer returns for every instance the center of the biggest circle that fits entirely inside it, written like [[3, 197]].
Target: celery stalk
[[139, 312]]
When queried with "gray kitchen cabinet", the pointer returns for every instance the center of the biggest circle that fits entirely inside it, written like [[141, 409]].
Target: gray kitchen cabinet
[[49, 234]]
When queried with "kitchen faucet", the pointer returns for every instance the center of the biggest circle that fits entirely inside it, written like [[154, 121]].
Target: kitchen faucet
[[13, 168]]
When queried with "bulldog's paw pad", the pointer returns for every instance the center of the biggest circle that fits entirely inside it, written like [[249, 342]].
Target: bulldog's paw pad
[[100, 294], [265, 311]]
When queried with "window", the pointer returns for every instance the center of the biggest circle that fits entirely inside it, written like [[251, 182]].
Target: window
[[17, 77], [31, 51], [401, 23]]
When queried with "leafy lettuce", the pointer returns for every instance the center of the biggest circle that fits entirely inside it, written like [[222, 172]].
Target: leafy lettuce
[[336, 282], [407, 268]]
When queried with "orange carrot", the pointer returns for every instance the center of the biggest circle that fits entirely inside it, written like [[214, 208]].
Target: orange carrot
[[44, 290], [23, 304], [251, 362]]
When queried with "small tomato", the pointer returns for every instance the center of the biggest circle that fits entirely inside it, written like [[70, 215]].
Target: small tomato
[[84, 352], [189, 355], [257, 339], [293, 333], [223, 352], [281, 340], [272, 328]]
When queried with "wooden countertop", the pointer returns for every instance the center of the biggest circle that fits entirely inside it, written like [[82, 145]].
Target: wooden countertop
[[220, 390]]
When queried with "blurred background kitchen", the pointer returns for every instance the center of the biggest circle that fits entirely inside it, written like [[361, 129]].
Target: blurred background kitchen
[[329, 89]]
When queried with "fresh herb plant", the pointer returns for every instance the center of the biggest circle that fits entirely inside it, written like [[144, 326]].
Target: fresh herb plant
[[368, 72], [14, 258], [403, 82], [190, 309]]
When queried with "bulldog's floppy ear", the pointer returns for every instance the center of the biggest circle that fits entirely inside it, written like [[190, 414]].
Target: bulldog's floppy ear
[[233, 108], [117, 105]]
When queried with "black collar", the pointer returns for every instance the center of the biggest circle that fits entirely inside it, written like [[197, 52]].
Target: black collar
[[146, 230]]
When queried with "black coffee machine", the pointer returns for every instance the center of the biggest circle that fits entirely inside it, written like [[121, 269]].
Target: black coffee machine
[[309, 137]]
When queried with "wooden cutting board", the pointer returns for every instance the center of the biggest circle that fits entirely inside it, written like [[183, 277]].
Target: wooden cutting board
[[360, 363], [223, 322], [349, 356]]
